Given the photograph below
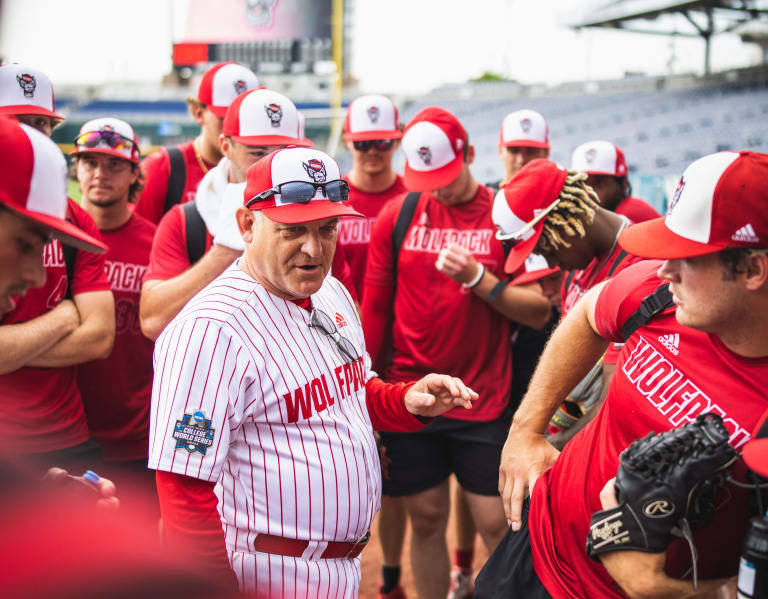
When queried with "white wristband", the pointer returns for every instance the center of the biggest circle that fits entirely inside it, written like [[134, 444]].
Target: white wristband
[[478, 277]]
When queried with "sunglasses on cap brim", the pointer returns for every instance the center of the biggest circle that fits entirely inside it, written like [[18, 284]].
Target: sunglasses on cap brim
[[93, 139], [380, 144], [513, 239], [302, 192]]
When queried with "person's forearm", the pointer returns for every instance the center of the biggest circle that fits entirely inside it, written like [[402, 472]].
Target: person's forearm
[[664, 587], [522, 305], [161, 301], [21, 343]]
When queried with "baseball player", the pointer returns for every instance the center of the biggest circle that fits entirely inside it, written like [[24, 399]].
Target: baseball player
[[173, 174], [704, 353], [264, 395], [444, 315], [185, 255], [116, 390], [27, 95], [524, 136], [607, 173]]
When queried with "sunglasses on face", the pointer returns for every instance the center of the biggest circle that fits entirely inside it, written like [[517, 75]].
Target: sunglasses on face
[[302, 192], [380, 144], [93, 139], [323, 323]]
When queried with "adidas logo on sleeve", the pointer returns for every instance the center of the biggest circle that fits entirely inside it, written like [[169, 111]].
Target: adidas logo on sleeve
[[671, 342], [746, 234]]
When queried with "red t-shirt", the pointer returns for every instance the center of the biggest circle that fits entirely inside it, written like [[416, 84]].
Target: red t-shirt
[[157, 171], [117, 391], [41, 409], [667, 374], [636, 210], [355, 233], [438, 325]]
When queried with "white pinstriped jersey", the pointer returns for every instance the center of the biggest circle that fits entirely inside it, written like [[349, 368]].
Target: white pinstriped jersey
[[248, 395]]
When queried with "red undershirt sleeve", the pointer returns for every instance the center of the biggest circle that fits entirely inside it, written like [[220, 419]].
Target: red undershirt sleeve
[[386, 407], [191, 524]]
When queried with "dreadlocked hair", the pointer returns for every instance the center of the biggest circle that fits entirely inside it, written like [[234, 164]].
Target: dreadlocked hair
[[576, 209]]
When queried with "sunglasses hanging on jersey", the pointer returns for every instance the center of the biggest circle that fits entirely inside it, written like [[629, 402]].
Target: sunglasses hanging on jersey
[[322, 322], [302, 192], [93, 139], [380, 144]]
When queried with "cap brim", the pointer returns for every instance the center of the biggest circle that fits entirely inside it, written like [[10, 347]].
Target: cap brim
[[534, 275], [63, 230], [371, 135], [294, 214], [521, 251], [756, 455], [431, 180], [106, 151], [21, 109], [525, 143], [272, 140], [652, 239]]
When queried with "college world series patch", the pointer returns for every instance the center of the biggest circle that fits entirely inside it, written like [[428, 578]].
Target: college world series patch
[[193, 432]]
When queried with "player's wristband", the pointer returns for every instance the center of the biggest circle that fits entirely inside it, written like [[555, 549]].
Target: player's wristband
[[478, 277], [495, 293]]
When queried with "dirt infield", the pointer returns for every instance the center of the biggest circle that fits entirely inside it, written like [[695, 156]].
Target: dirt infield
[[371, 560]]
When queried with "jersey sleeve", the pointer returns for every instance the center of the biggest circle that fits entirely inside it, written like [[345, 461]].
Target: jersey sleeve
[[202, 375], [379, 268], [157, 170], [88, 273], [622, 295], [169, 256]]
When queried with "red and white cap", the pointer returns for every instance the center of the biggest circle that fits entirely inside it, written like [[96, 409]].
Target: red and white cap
[[524, 129], [26, 91], [294, 164], [222, 83], [371, 117], [433, 143], [719, 203], [33, 183], [599, 158], [521, 206], [107, 136], [534, 268], [262, 117]]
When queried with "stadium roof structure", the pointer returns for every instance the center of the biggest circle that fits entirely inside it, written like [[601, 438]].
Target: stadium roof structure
[[707, 18]]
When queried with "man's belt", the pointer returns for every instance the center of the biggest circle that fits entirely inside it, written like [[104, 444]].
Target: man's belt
[[297, 547]]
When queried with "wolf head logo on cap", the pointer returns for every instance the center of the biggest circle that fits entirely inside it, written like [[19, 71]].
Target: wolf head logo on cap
[[316, 170], [27, 83], [373, 114], [590, 154], [676, 197], [425, 154], [275, 114], [240, 86], [525, 125]]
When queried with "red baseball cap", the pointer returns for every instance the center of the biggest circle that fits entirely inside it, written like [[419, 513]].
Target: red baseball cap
[[262, 117], [224, 82], [289, 165], [720, 203], [26, 91], [33, 183], [371, 117], [599, 158], [433, 144], [107, 136], [534, 268], [524, 129], [521, 206]]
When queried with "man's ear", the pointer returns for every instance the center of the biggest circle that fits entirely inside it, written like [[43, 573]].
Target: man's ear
[[470, 158], [245, 220], [757, 270], [225, 143], [197, 110]]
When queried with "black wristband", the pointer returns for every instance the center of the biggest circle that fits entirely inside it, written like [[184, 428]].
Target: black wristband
[[494, 293]]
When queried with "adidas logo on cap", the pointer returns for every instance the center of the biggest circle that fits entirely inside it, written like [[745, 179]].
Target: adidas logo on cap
[[671, 342], [746, 234]]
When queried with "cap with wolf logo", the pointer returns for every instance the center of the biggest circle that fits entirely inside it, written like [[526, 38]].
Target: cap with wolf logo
[[719, 203], [295, 164], [26, 91], [33, 183], [224, 82], [262, 117], [371, 117], [433, 144], [524, 129], [599, 158], [109, 125]]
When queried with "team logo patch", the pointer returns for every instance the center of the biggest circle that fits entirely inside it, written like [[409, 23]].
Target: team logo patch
[[340, 322], [525, 125], [373, 114], [659, 508], [27, 83], [275, 114], [316, 170], [259, 13], [425, 154], [676, 196], [194, 433], [589, 155], [240, 86]]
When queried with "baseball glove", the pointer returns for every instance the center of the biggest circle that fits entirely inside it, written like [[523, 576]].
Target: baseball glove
[[665, 485]]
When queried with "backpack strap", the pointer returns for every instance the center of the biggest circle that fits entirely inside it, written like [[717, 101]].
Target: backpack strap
[[403, 222], [70, 253], [194, 231], [177, 180], [616, 261], [494, 186], [652, 304]]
